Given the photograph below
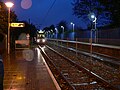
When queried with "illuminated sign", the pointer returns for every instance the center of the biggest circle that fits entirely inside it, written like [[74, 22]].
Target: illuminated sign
[[17, 25]]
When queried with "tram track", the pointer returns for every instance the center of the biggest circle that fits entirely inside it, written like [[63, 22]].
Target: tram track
[[71, 75], [109, 71]]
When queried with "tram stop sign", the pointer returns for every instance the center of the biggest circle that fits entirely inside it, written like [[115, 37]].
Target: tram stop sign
[[17, 24]]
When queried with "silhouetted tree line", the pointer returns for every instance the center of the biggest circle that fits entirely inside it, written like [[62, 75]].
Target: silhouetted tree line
[[58, 26], [14, 31], [106, 11]]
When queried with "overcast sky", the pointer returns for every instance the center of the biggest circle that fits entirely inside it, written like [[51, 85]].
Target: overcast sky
[[37, 12]]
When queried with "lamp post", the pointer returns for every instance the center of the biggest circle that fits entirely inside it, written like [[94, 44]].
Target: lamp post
[[63, 31], [73, 25], [52, 34], [48, 34], [9, 5], [94, 19], [56, 30]]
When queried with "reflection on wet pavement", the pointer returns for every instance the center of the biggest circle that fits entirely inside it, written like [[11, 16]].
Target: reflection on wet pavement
[[22, 74]]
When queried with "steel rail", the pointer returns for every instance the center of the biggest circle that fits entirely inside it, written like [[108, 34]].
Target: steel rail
[[105, 84], [47, 58]]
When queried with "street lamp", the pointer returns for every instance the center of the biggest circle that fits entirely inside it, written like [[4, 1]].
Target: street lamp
[[94, 19], [9, 5], [73, 25], [63, 31], [56, 30], [52, 34], [48, 34]]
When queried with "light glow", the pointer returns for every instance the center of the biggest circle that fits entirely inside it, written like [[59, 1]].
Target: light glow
[[43, 40], [62, 27], [93, 16], [38, 40], [9, 4], [72, 23], [26, 4]]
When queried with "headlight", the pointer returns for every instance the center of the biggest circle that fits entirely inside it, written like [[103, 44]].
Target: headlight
[[43, 40], [38, 40]]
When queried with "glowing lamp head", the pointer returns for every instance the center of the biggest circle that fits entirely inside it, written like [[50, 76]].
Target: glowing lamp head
[[92, 16], [55, 28], [62, 27], [71, 23], [9, 4]]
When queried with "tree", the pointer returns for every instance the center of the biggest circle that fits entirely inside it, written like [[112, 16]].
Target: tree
[[82, 8], [28, 29], [46, 29], [64, 24], [33, 30], [4, 17], [52, 27], [112, 6]]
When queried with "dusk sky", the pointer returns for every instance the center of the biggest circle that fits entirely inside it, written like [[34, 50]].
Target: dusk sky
[[40, 14]]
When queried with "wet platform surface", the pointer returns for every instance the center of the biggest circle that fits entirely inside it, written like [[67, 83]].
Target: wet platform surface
[[23, 73]]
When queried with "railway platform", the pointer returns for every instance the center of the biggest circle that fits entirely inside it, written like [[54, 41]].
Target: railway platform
[[22, 72]]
